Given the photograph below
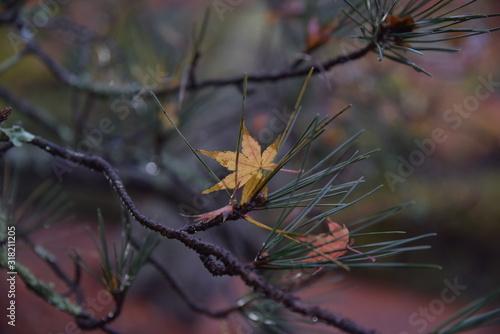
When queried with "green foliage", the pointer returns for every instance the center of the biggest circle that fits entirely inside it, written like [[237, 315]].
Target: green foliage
[[119, 268], [396, 28]]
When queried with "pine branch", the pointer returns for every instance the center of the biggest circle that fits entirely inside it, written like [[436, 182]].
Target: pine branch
[[222, 263], [104, 90], [183, 294], [50, 259], [38, 114]]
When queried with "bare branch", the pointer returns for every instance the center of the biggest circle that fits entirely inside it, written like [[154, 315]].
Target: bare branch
[[41, 116], [177, 288], [103, 90]]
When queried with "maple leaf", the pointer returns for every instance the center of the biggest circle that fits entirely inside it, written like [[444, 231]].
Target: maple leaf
[[327, 247], [318, 35], [249, 170]]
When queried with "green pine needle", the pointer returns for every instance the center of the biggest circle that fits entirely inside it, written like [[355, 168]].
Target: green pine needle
[[466, 319], [431, 22]]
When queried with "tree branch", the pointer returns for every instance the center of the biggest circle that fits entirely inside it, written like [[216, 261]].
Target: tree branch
[[41, 116], [50, 259], [103, 90], [188, 300], [226, 264]]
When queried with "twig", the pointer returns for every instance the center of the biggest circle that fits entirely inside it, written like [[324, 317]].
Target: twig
[[188, 300], [13, 60], [87, 322], [87, 36], [76, 284], [84, 114], [271, 76], [192, 68], [223, 263], [49, 258], [104, 90], [36, 113]]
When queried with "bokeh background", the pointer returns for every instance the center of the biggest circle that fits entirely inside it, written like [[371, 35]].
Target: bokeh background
[[150, 43]]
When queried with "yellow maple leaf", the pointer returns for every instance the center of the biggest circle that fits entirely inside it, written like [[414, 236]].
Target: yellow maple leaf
[[251, 164]]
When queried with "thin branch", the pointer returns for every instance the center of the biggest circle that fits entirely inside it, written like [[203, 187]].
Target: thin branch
[[103, 90], [47, 293], [41, 116], [188, 300], [272, 76], [192, 68], [50, 259], [222, 258], [85, 321], [13, 60]]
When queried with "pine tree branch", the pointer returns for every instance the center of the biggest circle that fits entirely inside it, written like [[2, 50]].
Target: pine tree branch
[[221, 261], [182, 293], [87, 322], [271, 76], [38, 114], [104, 90], [59, 300], [50, 259]]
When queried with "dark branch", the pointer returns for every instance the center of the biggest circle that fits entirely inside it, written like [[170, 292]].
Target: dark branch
[[188, 300], [231, 266], [273, 75], [72, 284], [103, 90], [85, 321], [34, 112]]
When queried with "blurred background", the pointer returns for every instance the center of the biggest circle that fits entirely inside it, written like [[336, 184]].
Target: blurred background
[[438, 139]]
